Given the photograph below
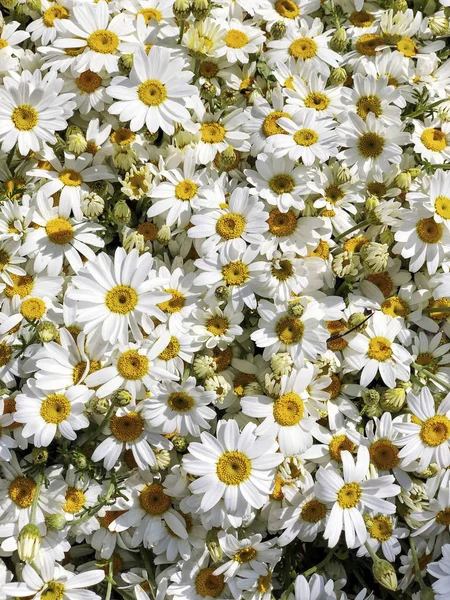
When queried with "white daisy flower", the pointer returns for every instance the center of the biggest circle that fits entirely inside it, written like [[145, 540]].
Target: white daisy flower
[[217, 133], [249, 553], [286, 11], [441, 570], [10, 261], [372, 95], [90, 90], [312, 92], [317, 588], [240, 41], [215, 326]]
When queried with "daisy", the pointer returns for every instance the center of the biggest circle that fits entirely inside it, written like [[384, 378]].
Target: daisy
[[81, 493], [434, 197], [44, 28], [217, 133], [286, 11], [431, 140], [441, 571], [12, 39], [251, 552], [236, 466], [290, 233], [15, 219], [240, 41], [90, 90], [308, 138], [196, 581], [31, 308], [372, 95], [181, 408], [10, 261], [153, 11], [114, 294], [153, 94], [178, 307], [215, 326], [384, 533], [178, 352], [283, 277], [425, 438], [350, 495], [436, 517], [312, 92]]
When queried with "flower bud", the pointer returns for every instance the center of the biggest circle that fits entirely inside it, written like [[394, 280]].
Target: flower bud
[[228, 97], [121, 398], [180, 443], [29, 542], [346, 264], [357, 321], [228, 156], [99, 187], [125, 64], [35, 5], [403, 180], [201, 9], [79, 461], [431, 471], [213, 546], [399, 5], [338, 42], [343, 175], [338, 76], [124, 158], [371, 203], [162, 460], [370, 397], [375, 257], [133, 240], [46, 331], [204, 366], [387, 237], [438, 25], [222, 292], [393, 400], [208, 90], [296, 308], [278, 30], [181, 9], [281, 363], [40, 456], [55, 522], [76, 143], [385, 574], [122, 212], [164, 235], [92, 205], [99, 406]]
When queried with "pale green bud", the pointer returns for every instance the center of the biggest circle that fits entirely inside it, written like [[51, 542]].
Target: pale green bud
[[92, 205], [278, 30], [431, 471], [121, 398], [162, 460], [438, 25], [213, 546], [125, 64], [338, 76], [40, 456], [403, 180], [208, 90], [164, 235], [338, 42], [29, 542], [400, 5], [55, 522], [180, 443], [387, 237], [296, 308], [99, 406], [228, 97], [228, 156], [393, 400], [46, 331], [122, 212], [8, 3], [222, 292], [35, 5], [371, 202], [385, 574], [79, 461], [76, 143], [370, 397], [357, 321], [201, 9], [343, 175], [181, 9]]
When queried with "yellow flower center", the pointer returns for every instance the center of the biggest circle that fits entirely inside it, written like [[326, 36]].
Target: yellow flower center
[[281, 224], [335, 386], [171, 350], [306, 137], [435, 430], [75, 500], [384, 455], [149, 14], [128, 427], [241, 381], [186, 190], [33, 308], [383, 281], [375, 188], [180, 401], [370, 145], [25, 117], [443, 517], [71, 178], [442, 206], [54, 591], [368, 104], [152, 92], [337, 444], [59, 231], [103, 41], [175, 304], [54, 12], [21, 491], [361, 19], [407, 47], [208, 585], [212, 133], [217, 325], [441, 303], [429, 231], [122, 137], [304, 48], [236, 39], [317, 101], [121, 299], [283, 271], [289, 330], [379, 349], [132, 365], [88, 81], [5, 354], [270, 126], [265, 582], [233, 467], [349, 495], [313, 511], [434, 139], [368, 43], [55, 409], [287, 9], [208, 69], [153, 499], [78, 370], [4, 259], [395, 307], [148, 230], [109, 517], [3, 43], [282, 183], [245, 555], [230, 226], [381, 528], [322, 250], [235, 273], [288, 409]]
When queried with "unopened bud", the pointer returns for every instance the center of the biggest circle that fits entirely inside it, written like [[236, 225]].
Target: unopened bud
[[296, 308], [393, 400], [438, 25], [55, 522], [370, 397], [399, 5], [385, 574], [357, 321], [228, 97], [343, 175], [164, 235], [213, 546], [371, 202], [181, 9], [29, 542], [79, 461], [201, 9], [40, 456], [122, 212], [338, 42], [76, 143], [99, 187], [121, 398], [9, 4], [222, 292], [338, 76], [278, 30], [208, 90], [431, 471], [387, 237], [162, 460], [125, 64], [180, 443], [92, 205], [228, 156], [46, 331], [99, 406], [35, 5], [403, 180]]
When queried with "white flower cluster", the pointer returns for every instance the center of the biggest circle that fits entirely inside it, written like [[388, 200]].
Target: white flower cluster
[[225, 299]]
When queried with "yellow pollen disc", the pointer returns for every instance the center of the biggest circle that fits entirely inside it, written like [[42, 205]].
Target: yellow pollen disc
[[32, 308], [25, 117], [5, 354], [78, 371], [222, 358], [289, 330], [335, 328], [75, 51], [434, 139], [379, 349], [180, 401], [175, 304], [283, 271], [322, 251], [327, 213], [442, 206], [148, 230], [287, 9], [54, 12], [368, 104], [368, 43], [335, 386], [264, 582], [208, 69], [441, 303], [127, 428], [313, 511], [395, 307], [171, 351], [103, 41], [21, 491], [54, 591], [306, 137], [282, 224], [407, 47], [217, 325], [435, 430], [443, 517], [304, 48], [4, 259], [235, 273], [270, 126], [245, 555], [122, 137], [186, 190], [59, 231], [153, 499], [3, 44], [132, 365], [361, 19], [208, 585], [230, 226], [370, 145], [152, 92], [384, 455], [121, 299], [381, 528], [281, 184], [241, 381], [236, 39], [383, 281], [92, 148], [233, 467], [339, 443], [429, 231], [75, 500], [88, 81], [109, 517], [288, 409], [149, 14], [212, 133], [349, 495], [317, 101], [55, 409]]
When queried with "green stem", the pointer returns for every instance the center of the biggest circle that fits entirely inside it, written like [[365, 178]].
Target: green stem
[[97, 508], [110, 580], [324, 562], [37, 491], [98, 429], [423, 110], [371, 551], [416, 564], [351, 230]]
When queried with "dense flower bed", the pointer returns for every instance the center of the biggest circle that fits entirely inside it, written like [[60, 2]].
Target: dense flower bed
[[225, 299]]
